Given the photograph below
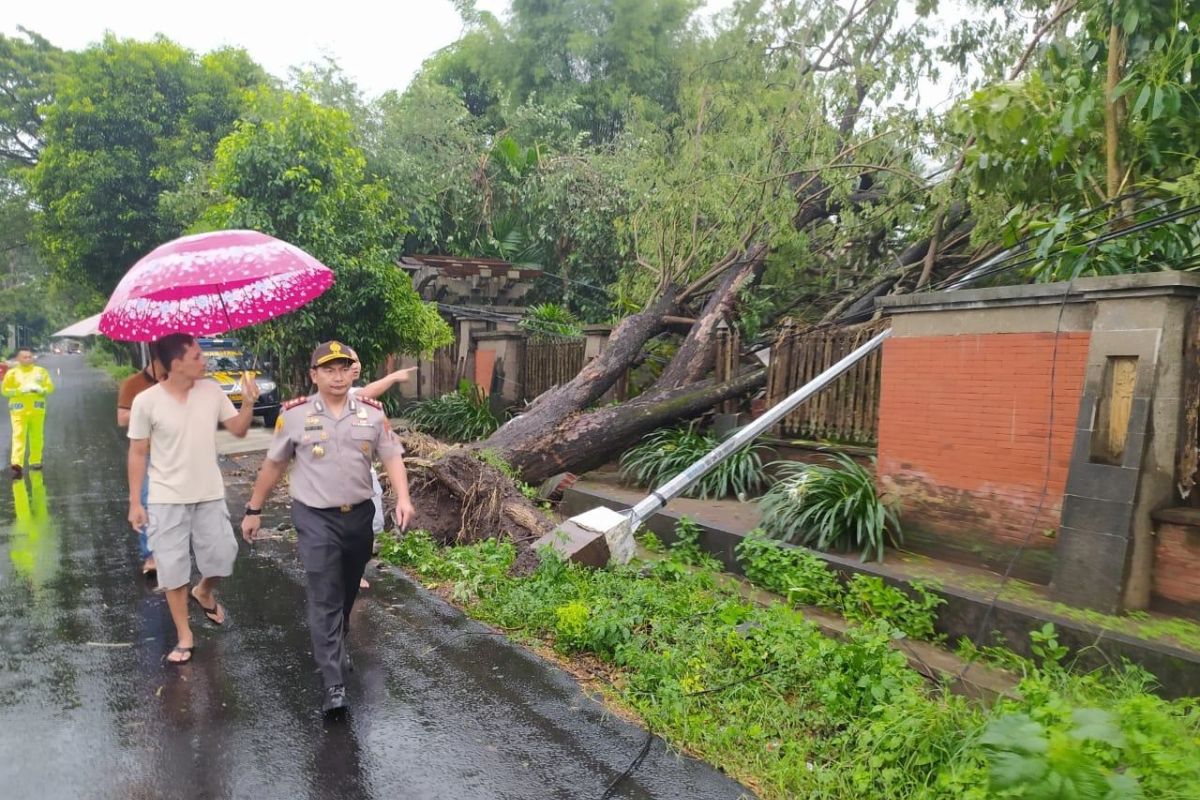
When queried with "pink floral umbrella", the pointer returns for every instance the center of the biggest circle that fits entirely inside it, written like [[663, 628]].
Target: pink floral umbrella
[[212, 283]]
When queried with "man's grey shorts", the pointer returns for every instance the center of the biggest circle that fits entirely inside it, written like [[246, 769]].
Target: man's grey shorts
[[203, 526]]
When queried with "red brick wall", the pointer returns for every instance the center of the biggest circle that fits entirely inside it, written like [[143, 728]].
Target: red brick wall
[[963, 423], [1177, 566]]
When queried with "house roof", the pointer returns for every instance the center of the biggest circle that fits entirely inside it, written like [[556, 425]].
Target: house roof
[[472, 312], [457, 267]]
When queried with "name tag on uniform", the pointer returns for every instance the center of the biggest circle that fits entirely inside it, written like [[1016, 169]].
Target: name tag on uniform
[[362, 425]]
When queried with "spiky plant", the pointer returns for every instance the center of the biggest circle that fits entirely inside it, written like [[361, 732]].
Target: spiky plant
[[460, 416], [550, 320], [665, 453], [835, 507]]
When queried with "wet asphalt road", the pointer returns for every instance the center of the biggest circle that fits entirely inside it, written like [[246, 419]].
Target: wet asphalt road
[[88, 709]]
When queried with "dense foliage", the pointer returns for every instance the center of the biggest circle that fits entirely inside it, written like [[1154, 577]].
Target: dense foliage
[[762, 693], [132, 125], [623, 147], [295, 173]]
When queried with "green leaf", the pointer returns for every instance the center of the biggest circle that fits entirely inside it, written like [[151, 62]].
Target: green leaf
[[1066, 122], [1094, 724], [1156, 108], [1013, 770], [1142, 99], [1131, 20], [1016, 732]]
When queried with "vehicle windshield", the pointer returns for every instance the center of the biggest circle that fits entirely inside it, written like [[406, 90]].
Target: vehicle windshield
[[227, 361]]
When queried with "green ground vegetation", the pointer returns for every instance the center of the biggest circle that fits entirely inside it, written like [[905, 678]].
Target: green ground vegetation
[[103, 359], [760, 692]]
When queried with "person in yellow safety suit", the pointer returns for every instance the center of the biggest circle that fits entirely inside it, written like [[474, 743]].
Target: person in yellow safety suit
[[32, 545], [26, 387]]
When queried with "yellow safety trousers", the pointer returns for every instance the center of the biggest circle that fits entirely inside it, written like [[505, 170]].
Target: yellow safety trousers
[[28, 415]]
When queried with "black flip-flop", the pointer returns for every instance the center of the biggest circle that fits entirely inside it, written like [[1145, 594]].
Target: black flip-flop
[[210, 613], [181, 662]]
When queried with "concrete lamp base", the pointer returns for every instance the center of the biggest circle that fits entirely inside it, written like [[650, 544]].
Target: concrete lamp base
[[592, 538]]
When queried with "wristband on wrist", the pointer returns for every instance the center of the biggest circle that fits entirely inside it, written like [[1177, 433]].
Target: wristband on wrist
[[253, 512]]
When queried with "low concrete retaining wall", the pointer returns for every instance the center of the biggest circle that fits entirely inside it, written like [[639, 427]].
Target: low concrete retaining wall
[[965, 611]]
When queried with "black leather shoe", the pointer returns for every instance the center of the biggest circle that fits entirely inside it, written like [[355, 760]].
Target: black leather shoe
[[335, 700]]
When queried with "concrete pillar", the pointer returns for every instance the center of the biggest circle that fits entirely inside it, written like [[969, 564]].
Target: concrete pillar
[[1132, 396]]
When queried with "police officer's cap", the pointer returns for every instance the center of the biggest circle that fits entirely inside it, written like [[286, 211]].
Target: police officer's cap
[[332, 351]]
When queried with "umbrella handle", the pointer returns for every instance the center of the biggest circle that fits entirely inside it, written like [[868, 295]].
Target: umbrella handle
[[225, 308]]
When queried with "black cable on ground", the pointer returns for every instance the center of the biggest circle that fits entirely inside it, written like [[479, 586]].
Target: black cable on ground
[[637, 762]]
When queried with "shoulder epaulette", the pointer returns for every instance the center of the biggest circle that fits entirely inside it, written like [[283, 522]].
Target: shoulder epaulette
[[367, 401], [295, 401]]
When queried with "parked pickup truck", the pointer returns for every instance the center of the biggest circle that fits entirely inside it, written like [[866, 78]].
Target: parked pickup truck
[[226, 363]]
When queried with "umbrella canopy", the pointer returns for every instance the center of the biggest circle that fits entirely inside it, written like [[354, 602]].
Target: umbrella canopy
[[85, 327], [212, 283]]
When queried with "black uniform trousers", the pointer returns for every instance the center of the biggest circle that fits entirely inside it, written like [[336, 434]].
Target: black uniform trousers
[[335, 546]]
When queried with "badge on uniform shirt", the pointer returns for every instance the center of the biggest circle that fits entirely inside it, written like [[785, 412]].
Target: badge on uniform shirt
[[366, 447], [312, 420], [362, 413], [318, 451]]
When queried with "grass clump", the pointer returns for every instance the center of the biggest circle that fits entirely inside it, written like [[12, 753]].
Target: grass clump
[[665, 453], [460, 416], [833, 507], [102, 359]]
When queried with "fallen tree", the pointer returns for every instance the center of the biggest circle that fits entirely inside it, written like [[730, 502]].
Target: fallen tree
[[558, 432], [466, 493]]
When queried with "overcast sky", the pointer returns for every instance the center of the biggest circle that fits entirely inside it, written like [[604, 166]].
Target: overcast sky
[[380, 45]]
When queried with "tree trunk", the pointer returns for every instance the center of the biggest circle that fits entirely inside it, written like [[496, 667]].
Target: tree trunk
[[557, 434], [1114, 120], [461, 494], [585, 441], [695, 356], [624, 345]]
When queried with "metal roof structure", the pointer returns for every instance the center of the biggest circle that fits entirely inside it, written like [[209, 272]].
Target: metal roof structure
[[469, 281], [85, 327]]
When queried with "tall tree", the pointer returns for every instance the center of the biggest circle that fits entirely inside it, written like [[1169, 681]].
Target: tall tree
[[30, 68], [1101, 133], [611, 58], [131, 125], [291, 169]]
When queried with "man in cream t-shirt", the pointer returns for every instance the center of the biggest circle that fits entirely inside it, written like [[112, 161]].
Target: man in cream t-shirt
[[175, 423]]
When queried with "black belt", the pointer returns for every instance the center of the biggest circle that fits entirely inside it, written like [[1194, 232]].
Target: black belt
[[342, 509]]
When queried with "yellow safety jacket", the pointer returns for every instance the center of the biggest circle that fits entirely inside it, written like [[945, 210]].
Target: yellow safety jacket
[[26, 388]]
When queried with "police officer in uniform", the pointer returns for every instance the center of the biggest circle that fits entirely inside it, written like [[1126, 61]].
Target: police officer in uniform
[[333, 439]]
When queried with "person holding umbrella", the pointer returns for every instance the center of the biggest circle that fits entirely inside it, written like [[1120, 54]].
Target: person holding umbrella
[[331, 438], [173, 424], [197, 285]]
